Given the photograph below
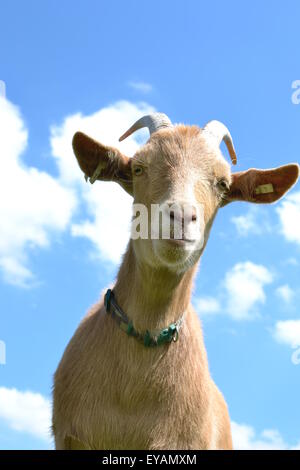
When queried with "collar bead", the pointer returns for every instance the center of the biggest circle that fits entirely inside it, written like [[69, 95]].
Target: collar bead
[[149, 339]]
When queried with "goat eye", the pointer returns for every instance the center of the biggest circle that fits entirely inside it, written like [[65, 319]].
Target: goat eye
[[138, 170], [223, 185]]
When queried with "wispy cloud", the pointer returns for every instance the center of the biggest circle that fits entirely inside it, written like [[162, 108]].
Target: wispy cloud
[[207, 305], [246, 438], [253, 222], [285, 293], [292, 261], [26, 412], [142, 87]]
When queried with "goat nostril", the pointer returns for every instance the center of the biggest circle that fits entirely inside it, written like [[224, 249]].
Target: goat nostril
[[190, 215]]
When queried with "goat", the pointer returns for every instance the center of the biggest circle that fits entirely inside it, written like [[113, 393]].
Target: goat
[[145, 390]]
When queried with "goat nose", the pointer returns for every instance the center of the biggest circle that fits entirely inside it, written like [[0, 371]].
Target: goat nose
[[182, 212], [193, 214]]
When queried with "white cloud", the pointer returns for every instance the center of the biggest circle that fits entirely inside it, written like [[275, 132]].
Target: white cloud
[[288, 332], [105, 125], [108, 207], [32, 203], [289, 215], [244, 287], [26, 412], [141, 86], [245, 438], [108, 227], [207, 305], [245, 224], [241, 291], [250, 223], [285, 293]]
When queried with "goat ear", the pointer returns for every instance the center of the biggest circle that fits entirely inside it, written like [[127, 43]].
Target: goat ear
[[262, 186], [99, 162]]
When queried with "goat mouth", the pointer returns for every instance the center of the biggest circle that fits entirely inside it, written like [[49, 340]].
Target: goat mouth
[[180, 241]]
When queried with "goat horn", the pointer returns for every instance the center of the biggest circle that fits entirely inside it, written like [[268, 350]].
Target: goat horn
[[218, 131], [154, 122]]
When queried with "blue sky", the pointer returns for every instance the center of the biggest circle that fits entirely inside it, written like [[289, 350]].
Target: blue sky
[[97, 66]]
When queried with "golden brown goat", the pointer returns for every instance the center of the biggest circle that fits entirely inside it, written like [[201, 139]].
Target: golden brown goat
[[110, 390]]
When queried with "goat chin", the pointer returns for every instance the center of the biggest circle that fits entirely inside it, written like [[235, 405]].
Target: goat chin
[[176, 255]]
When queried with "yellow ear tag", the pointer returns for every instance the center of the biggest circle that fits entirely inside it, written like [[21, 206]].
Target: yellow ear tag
[[96, 174], [264, 189]]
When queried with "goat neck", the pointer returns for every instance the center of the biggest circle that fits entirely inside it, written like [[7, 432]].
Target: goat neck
[[152, 297]]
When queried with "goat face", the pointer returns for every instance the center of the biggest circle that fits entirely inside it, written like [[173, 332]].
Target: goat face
[[181, 181], [179, 178]]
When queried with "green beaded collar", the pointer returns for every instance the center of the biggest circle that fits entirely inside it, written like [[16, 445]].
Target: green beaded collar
[[154, 338]]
